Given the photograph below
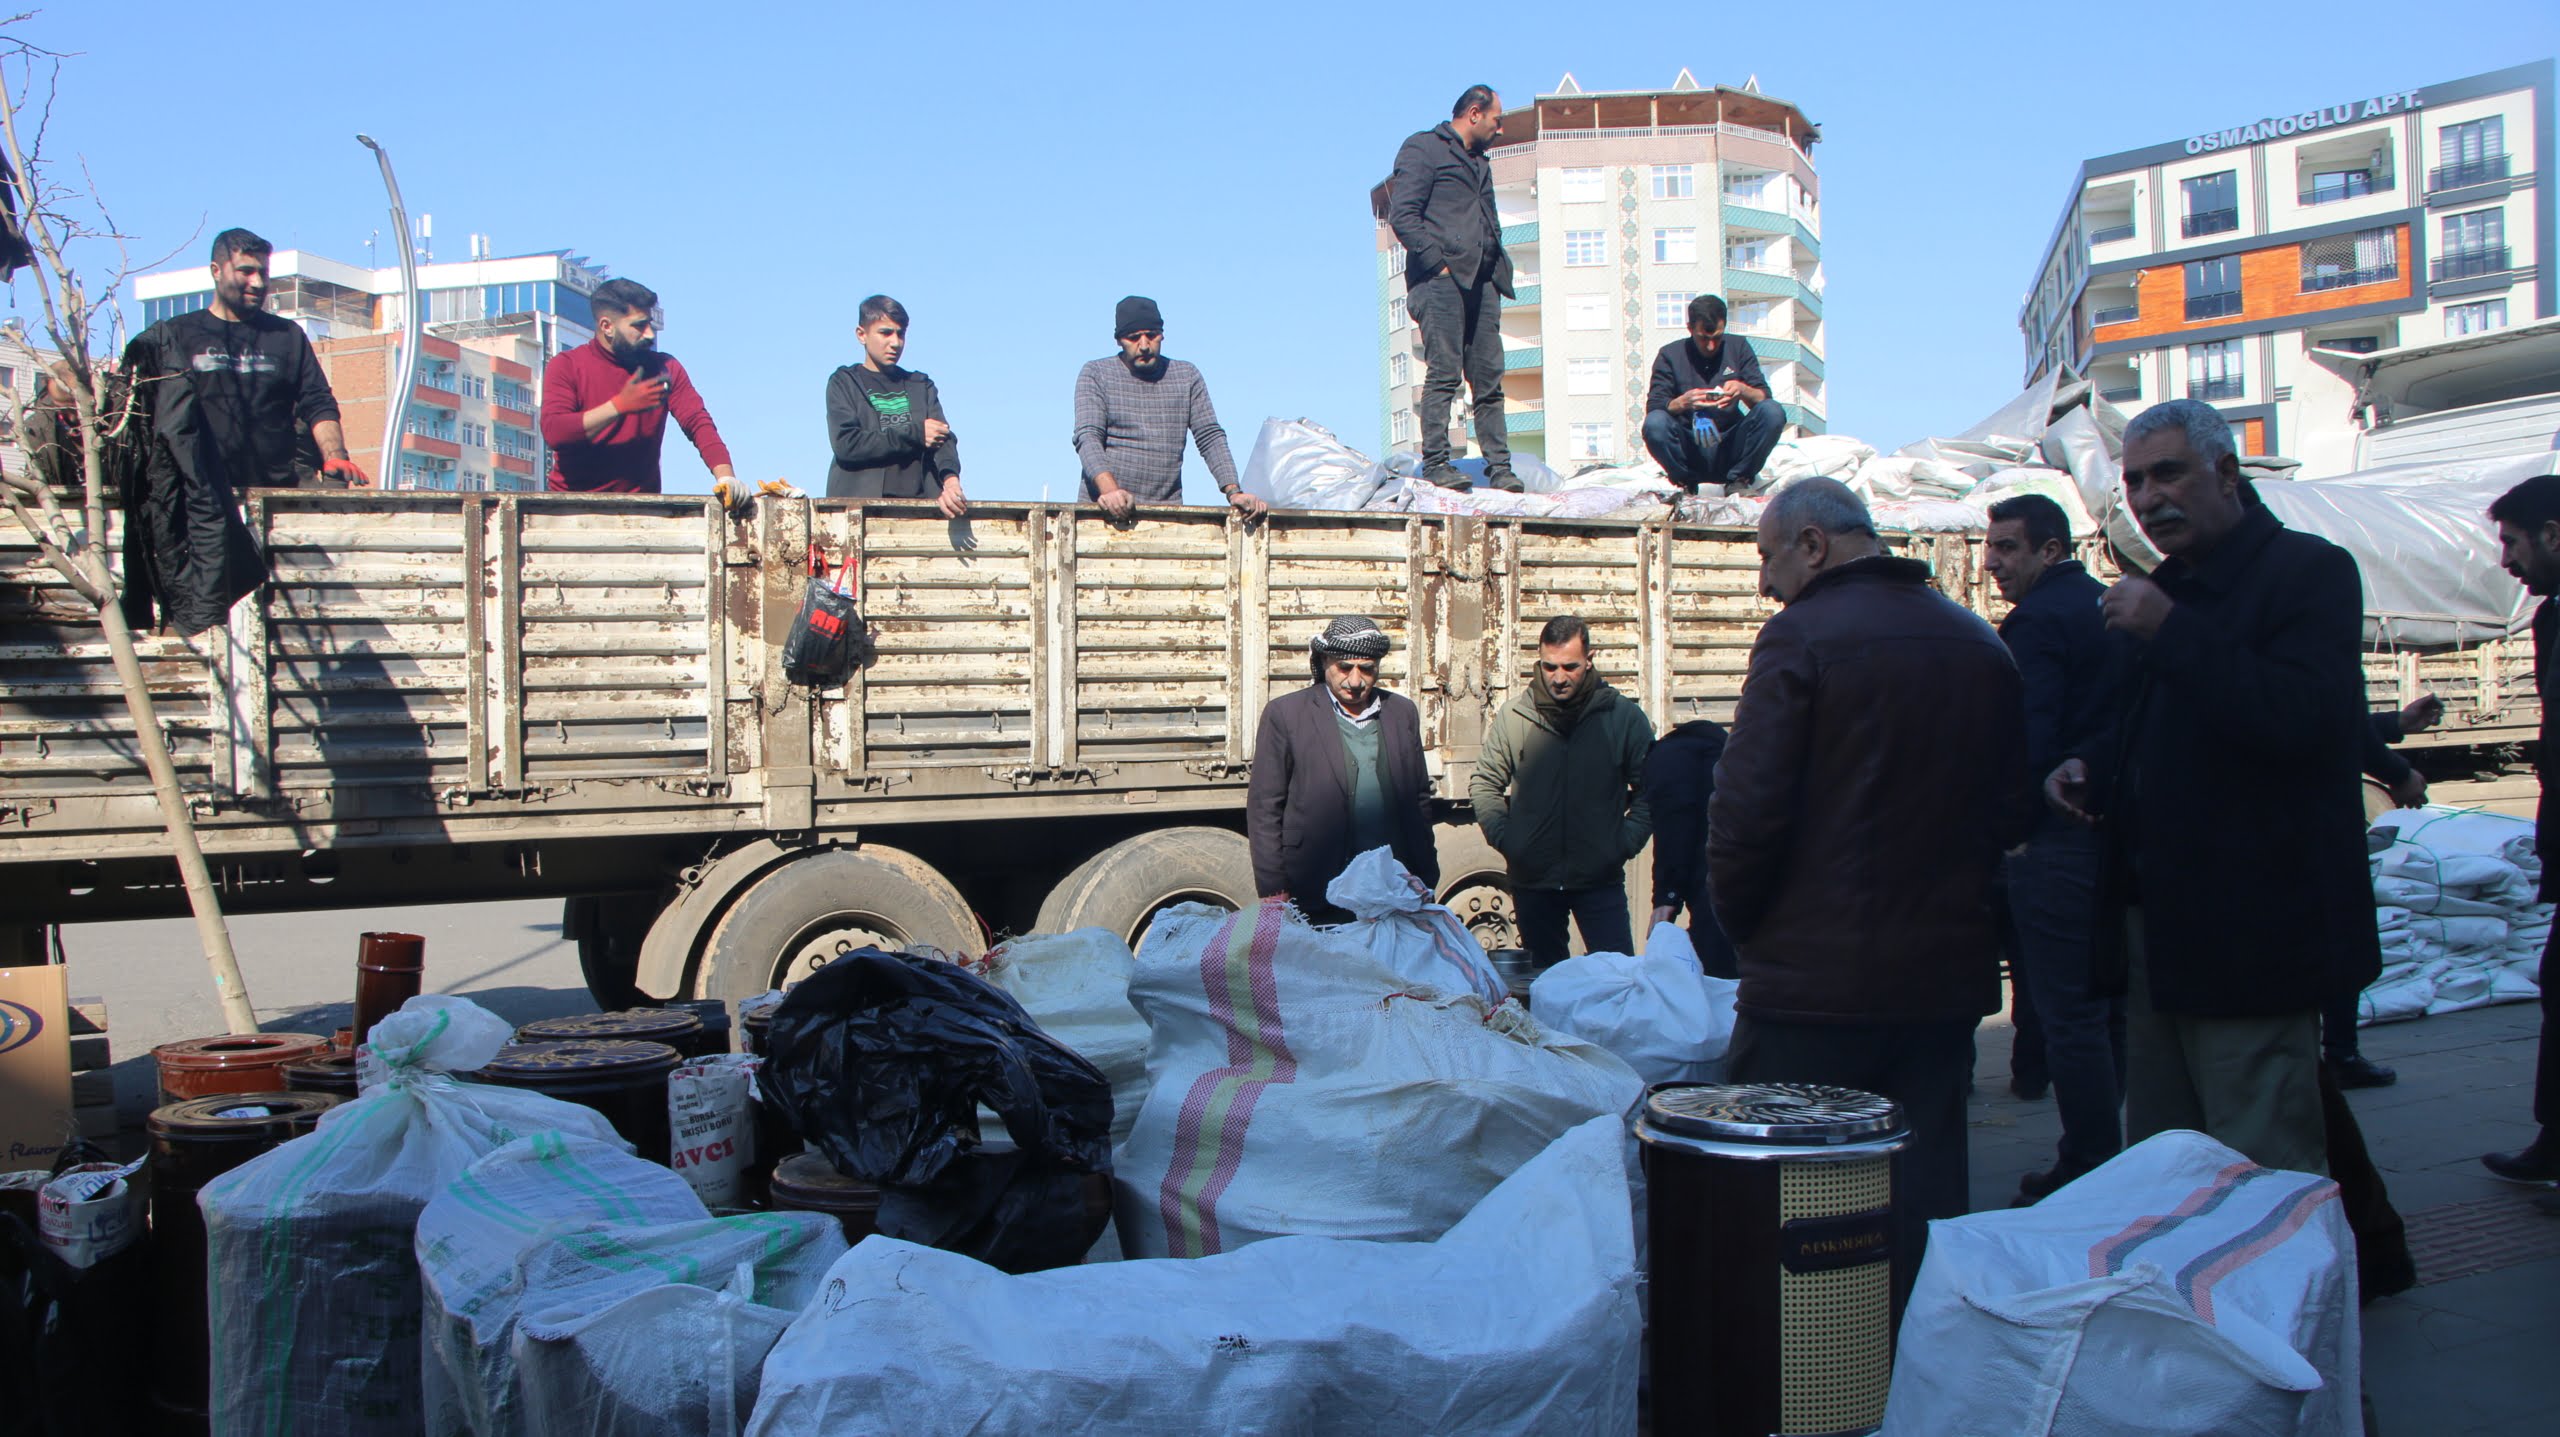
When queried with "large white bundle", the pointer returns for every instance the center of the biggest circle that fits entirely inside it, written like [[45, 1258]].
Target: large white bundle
[[553, 1224], [1929, 516], [1407, 933], [1076, 987], [1300, 1085], [677, 1358], [1298, 464], [1658, 1011], [1898, 477], [309, 1263], [2053, 484], [2177, 1289], [1828, 456], [2465, 832], [1522, 1319]]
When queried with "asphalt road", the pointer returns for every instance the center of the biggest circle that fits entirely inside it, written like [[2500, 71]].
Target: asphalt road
[[300, 969]]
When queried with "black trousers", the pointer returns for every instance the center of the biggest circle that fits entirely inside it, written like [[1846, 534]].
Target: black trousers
[[1925, 1067], [2546, 1067], [1461, 338], [1601, 914], [2053, 884]]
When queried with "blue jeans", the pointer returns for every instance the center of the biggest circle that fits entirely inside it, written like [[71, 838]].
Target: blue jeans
[[2053, 896], [1732, 459], [1601, 914]]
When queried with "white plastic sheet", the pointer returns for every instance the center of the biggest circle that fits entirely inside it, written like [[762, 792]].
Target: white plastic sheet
[[1298, 464], [1302, 1086], [1521, 1319], [2177, 1289], [1658, 1011], [2422, 537], [1075, 985]]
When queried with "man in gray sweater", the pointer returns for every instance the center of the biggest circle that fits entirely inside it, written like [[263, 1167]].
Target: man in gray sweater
[[1132, 411]]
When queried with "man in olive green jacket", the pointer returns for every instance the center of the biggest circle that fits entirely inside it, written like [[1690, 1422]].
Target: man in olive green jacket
[[1559, 793]]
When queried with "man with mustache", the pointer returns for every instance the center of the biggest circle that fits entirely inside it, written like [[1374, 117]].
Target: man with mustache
[[1132, 412], [2234, 898], [1440, 205], [2528, 519], [1338, 771], [605, 405]]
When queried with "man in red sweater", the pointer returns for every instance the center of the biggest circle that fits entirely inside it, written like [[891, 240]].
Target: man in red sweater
[[605, 405]]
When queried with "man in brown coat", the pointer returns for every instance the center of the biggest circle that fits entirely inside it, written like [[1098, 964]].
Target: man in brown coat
[[1875, 773], [1337, 771]]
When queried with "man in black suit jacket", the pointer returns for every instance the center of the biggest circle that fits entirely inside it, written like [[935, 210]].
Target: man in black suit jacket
[[1440, 205], [2528, 519], [1337, 771], [2234, 895]]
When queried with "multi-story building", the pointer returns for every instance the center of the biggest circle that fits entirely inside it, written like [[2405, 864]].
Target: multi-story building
[[469, 421], [22, 361], [2213, 266], [1618, 208]]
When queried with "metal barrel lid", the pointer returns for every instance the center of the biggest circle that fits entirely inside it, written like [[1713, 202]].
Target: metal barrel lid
[[1772, 1114], [580, 1058], [809, 1179], [241, 1115], [655, 1024], [239, 1050]]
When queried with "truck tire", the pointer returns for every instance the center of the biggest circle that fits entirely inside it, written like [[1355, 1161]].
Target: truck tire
[[801, 916], [608, 928], [1122, 888]]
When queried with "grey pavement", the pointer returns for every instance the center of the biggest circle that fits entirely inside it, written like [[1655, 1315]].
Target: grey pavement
[[2457, 1355]]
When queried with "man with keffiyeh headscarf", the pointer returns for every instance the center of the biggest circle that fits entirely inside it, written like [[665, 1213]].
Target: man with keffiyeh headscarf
[[1337, 771]]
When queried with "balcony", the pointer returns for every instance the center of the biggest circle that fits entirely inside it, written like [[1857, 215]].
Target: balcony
[[2349, 186], [510, 414], [2122, 394], [2349, 278], [1532, 357], [429, 444], [1514, 236], [2120, 314], [2469, 263], [434, 396], [509, 464], [2210, 222], [2229, 386], [2484, 170], [2111, 233], [2213, 306], [1526, 293], [1524, 421]]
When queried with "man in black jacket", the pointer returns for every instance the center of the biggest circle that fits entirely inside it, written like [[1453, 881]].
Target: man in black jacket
[[885, 424], [1679, 779], [1338, 771], [1456, 275], [1694, 424], [2528, 518], [2054, 631], [2235, 897]]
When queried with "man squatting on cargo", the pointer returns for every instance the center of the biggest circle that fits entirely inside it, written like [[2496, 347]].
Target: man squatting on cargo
[[1337, 771], [1132, 411], [605, 404]]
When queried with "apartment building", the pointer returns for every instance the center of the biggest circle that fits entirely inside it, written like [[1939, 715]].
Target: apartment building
[[468, 422], [22, 362], [2213, 266], [1619, 207]]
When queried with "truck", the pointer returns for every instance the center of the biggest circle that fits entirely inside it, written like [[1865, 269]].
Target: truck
[[442, 697]]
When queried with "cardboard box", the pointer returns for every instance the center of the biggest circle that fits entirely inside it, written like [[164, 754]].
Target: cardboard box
[[35, 1066]]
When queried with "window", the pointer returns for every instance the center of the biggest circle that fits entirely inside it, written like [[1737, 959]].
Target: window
[[476, 435], [1584, 248], [2471, 153], [1586, 311], [2213, 370], [1399, 369], [2213, 203], [1402, 427], [2328, 185], [1591, 441], [1671, 308], [8, 376], [1395, 312], [1753, 317], [2213, 287], [1395, 259], [1750, 254], [1585, 184], [2351, 344], [1674, 182], [1675, 246], [2474, 244], [156, 310], [1586, 376], [2340, 261], [508, 394], [1752, 190], [2480, 318]]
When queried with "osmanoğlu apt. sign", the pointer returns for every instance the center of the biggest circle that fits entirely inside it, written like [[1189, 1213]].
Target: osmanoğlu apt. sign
[[2306, 122]]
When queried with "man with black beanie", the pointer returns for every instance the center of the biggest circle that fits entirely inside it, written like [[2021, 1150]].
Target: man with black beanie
[[1132, 411]]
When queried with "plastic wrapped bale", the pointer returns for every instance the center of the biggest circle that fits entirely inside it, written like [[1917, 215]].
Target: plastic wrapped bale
[[670, 1310], [1658, 1011], [1902, 477], [1300, 1085], [1808, 456], [1297, 464], [1076, 987], [2051, 483], [1521, 1319], [312, 1277], [2178, 1288], [1409, 933]]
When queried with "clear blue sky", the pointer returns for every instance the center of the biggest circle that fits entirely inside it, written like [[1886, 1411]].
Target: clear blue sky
[[1010, 171]]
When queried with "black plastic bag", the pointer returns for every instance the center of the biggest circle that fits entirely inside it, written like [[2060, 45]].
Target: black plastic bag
[[882, 1061], [826, 642], [70, 1338]]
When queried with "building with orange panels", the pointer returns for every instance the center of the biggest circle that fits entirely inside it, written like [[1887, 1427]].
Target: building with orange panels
[[469, 421], [2212, 267]]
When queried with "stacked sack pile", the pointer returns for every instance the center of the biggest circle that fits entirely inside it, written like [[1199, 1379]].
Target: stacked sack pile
[[2455, 899]]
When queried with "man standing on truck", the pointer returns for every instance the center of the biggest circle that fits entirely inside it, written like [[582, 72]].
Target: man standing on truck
[[2528, 519], [885, 425], [1695, 424], [1132, 411], [2234, 896], [1876, 770], [605, 405], [1559, 792], [1456, 275], [1338, 771], [2059, 640]]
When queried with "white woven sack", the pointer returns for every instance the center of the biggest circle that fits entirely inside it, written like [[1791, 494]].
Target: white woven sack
[[2177, 1289], [1521, 1319], [1076, 987], [310, 1270], [1658, 1011], [1394, 916], [1302, 1086]]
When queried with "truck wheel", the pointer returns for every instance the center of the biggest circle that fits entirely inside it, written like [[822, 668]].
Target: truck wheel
[[1123, 887], [1482, 901], [607, 929], [814, 909]]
